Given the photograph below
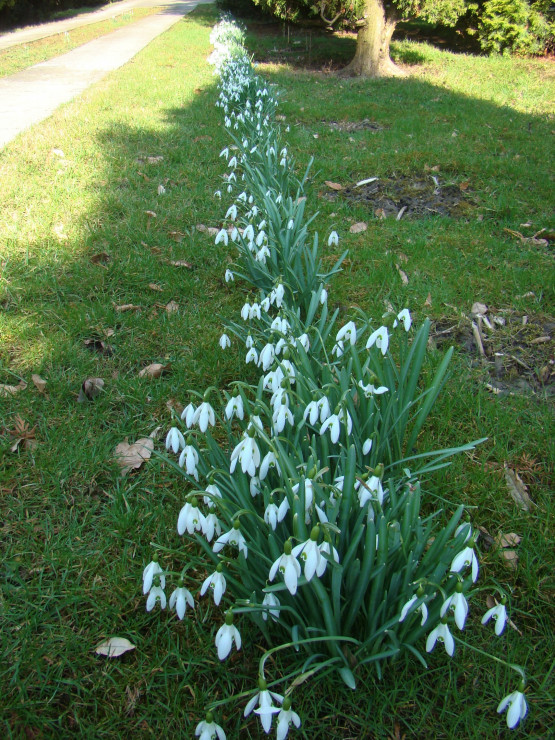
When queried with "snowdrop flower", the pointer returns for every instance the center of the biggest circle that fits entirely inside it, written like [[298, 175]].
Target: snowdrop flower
[[174, 440], [265, 304], [226, 636], [272, 601], [254, 486], [190, 518], [179, 600], [282, 415], [285, 718], [269, 461], [290, 224], [288, 566], [405, 317], [225, 341], [204, 416], [380, 338], [211, 526], [367, 446], [326, 548], [333, 239], [308, 492], [517, 707], [311, 411], [229, 276], [271, 515], [266, 356], [423, 609], [338, 349], [252, 356], [248, 233], [153, 569], [217, 583], [283, 509], [156, 594], [347, 333], [499, 614], [457, 604], [222, 236], [189, 460], [232, 162], [441, 633], [304, 341], [249, 342], [245, 311], [265, 707], [371, 390], [254, 312], [225, 153], [187, 415], [234, 407], [371, 490], [260, 238], [465, 558], [310, 554], [323, 296], [218, 194], [209, 730], [279, 294], [333, 423], [215, 493], [234, 538], [231, 212]]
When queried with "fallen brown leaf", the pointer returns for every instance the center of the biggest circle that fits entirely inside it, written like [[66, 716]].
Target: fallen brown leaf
[[114, 647], [333, 185], [177, 236], [205, 137], [155, 370], [131, 457], [155, 286], [403, 275], [517, 489], [151, 214], [97, 345], [127, 307], [39, 383], [212, 231], [100, 258], [90, 389], [428, 301], [358, 228], [379, 213], [25, 436], [172, 307], [11, 390], [180, 263], [506, 544]]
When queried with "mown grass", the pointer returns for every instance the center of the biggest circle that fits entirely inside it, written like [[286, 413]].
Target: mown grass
[[22, 56], [76, 534]]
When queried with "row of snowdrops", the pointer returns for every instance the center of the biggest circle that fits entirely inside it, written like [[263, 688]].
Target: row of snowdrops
[[304, 489]]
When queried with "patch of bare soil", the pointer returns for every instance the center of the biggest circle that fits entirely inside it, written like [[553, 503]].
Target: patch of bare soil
[[516, 351], [410, 197], [365, 125]]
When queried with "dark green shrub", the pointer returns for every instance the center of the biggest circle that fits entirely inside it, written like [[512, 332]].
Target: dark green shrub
[[513, 27]]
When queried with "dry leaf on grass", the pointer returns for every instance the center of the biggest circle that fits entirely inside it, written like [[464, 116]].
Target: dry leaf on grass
[[155, 370], [155, 286], [114, 647], [180, 263], [172, 307], [161, 190], [131, 457], [212, 231], [380, 213], [358, 228], [204, 137], [91, 388], [97, 345], [506, 544], [173, 405], [479, 309], [127, 307], [100, 258], [39, 383], [517, 488], [177, 236], [333, 185], [151, 214], [11, 390], [428, 301], [24, 435], [403, 275]]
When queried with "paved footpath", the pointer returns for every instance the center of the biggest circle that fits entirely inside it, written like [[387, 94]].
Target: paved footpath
[[34, 94]]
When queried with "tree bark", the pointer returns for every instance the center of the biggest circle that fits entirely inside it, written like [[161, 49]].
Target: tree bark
[[372, 53]]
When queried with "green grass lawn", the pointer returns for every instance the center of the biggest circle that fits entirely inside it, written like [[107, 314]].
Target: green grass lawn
[[20, 57], [77, 244]]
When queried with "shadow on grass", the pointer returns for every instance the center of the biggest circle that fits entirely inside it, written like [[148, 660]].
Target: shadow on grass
[[76, 535]]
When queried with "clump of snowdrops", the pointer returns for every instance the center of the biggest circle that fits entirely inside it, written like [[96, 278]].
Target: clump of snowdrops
[[305, 488]]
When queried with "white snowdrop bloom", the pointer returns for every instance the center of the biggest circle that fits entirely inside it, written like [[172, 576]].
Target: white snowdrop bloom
[[225, 153], [272, 601], [209, 730], [218, 194], [216, 583], [266, 356], [311, 412], [370, 390], [408, 607], [248, 233], [245, 311], [190, 518], [283, 162], [328, 552], [156, 593], [174, 440], [271, 515], [248, 454], [517, 708], [222, 235], [380, 338], [262, 225], [405, 317], [189, 460], [249, 342], [225, 341], [338, 349], [211, 526], [279, 294], [371, 490], [265, 304], [232, 177], [283, 509], [310, 554], [279, 198], [347, 333], [187, 415], [234, 407], [324, 407], [234, 538], [226, 636], [234, 234], [214, 492], [308, 492], [269, 462], [261, 236], [280, 417], [254, 312], [333, 239], [323, 296], [304, 341], [232, 162], [465, 558], [333, 423], [499, 614], [232, 212], [266, 709], [242, 197], [288, 370], [290, 224], [180, 599], [272, 380], [367, 446], [283, 152], [285, 718], [252, 356], [289, 567], [204, 416], [262, 255], [151, 571], [441, 633], [229, 188], [458, 605], [254, 486]]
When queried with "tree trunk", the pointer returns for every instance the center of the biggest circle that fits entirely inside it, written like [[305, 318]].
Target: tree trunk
[[372, 53]]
